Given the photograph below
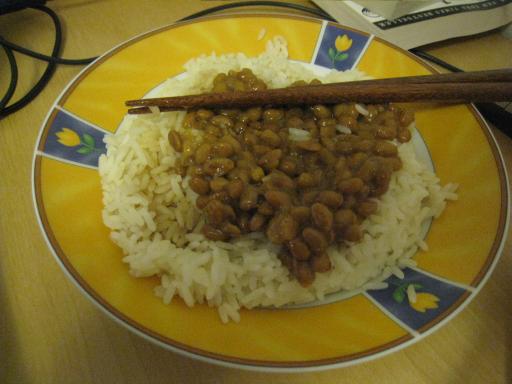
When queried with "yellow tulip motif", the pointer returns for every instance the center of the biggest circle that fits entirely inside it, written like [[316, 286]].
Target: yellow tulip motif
[[424, 301], [68, 137], [342, 44]]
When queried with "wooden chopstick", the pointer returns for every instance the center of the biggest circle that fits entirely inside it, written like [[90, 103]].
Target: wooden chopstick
[[454, 87]]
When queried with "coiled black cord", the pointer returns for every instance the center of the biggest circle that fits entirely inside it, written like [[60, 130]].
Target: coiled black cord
[[45, 77], [40, 56], [14, 78], [313, 11], [435, 60]]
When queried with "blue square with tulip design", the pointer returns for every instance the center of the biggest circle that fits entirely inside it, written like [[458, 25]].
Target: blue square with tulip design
[[73, 139], [433, 298], [340, 48]]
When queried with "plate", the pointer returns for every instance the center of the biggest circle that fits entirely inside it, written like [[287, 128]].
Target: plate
[[464, 243]]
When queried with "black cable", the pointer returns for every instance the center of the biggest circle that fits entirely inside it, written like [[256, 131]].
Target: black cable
[[492, 112], [48, 72], [14, 78], [317, 12], [435, 60], [498, 116], [40, 56]]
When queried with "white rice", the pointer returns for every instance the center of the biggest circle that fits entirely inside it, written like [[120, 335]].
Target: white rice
[[154, 109], [342, 129], [152, 215], [261, 34], [296, 134], [361, 109]]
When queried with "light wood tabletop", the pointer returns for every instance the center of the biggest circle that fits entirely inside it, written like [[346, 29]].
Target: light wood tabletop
[[50, 333]]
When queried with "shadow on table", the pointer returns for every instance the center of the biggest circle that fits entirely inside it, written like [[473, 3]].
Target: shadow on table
[[12, 366], [505, 145], [127, 358], [172, 365], [508, 348], [508, 329]]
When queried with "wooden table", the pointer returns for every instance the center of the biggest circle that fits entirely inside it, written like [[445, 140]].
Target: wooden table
[[49, 333]]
